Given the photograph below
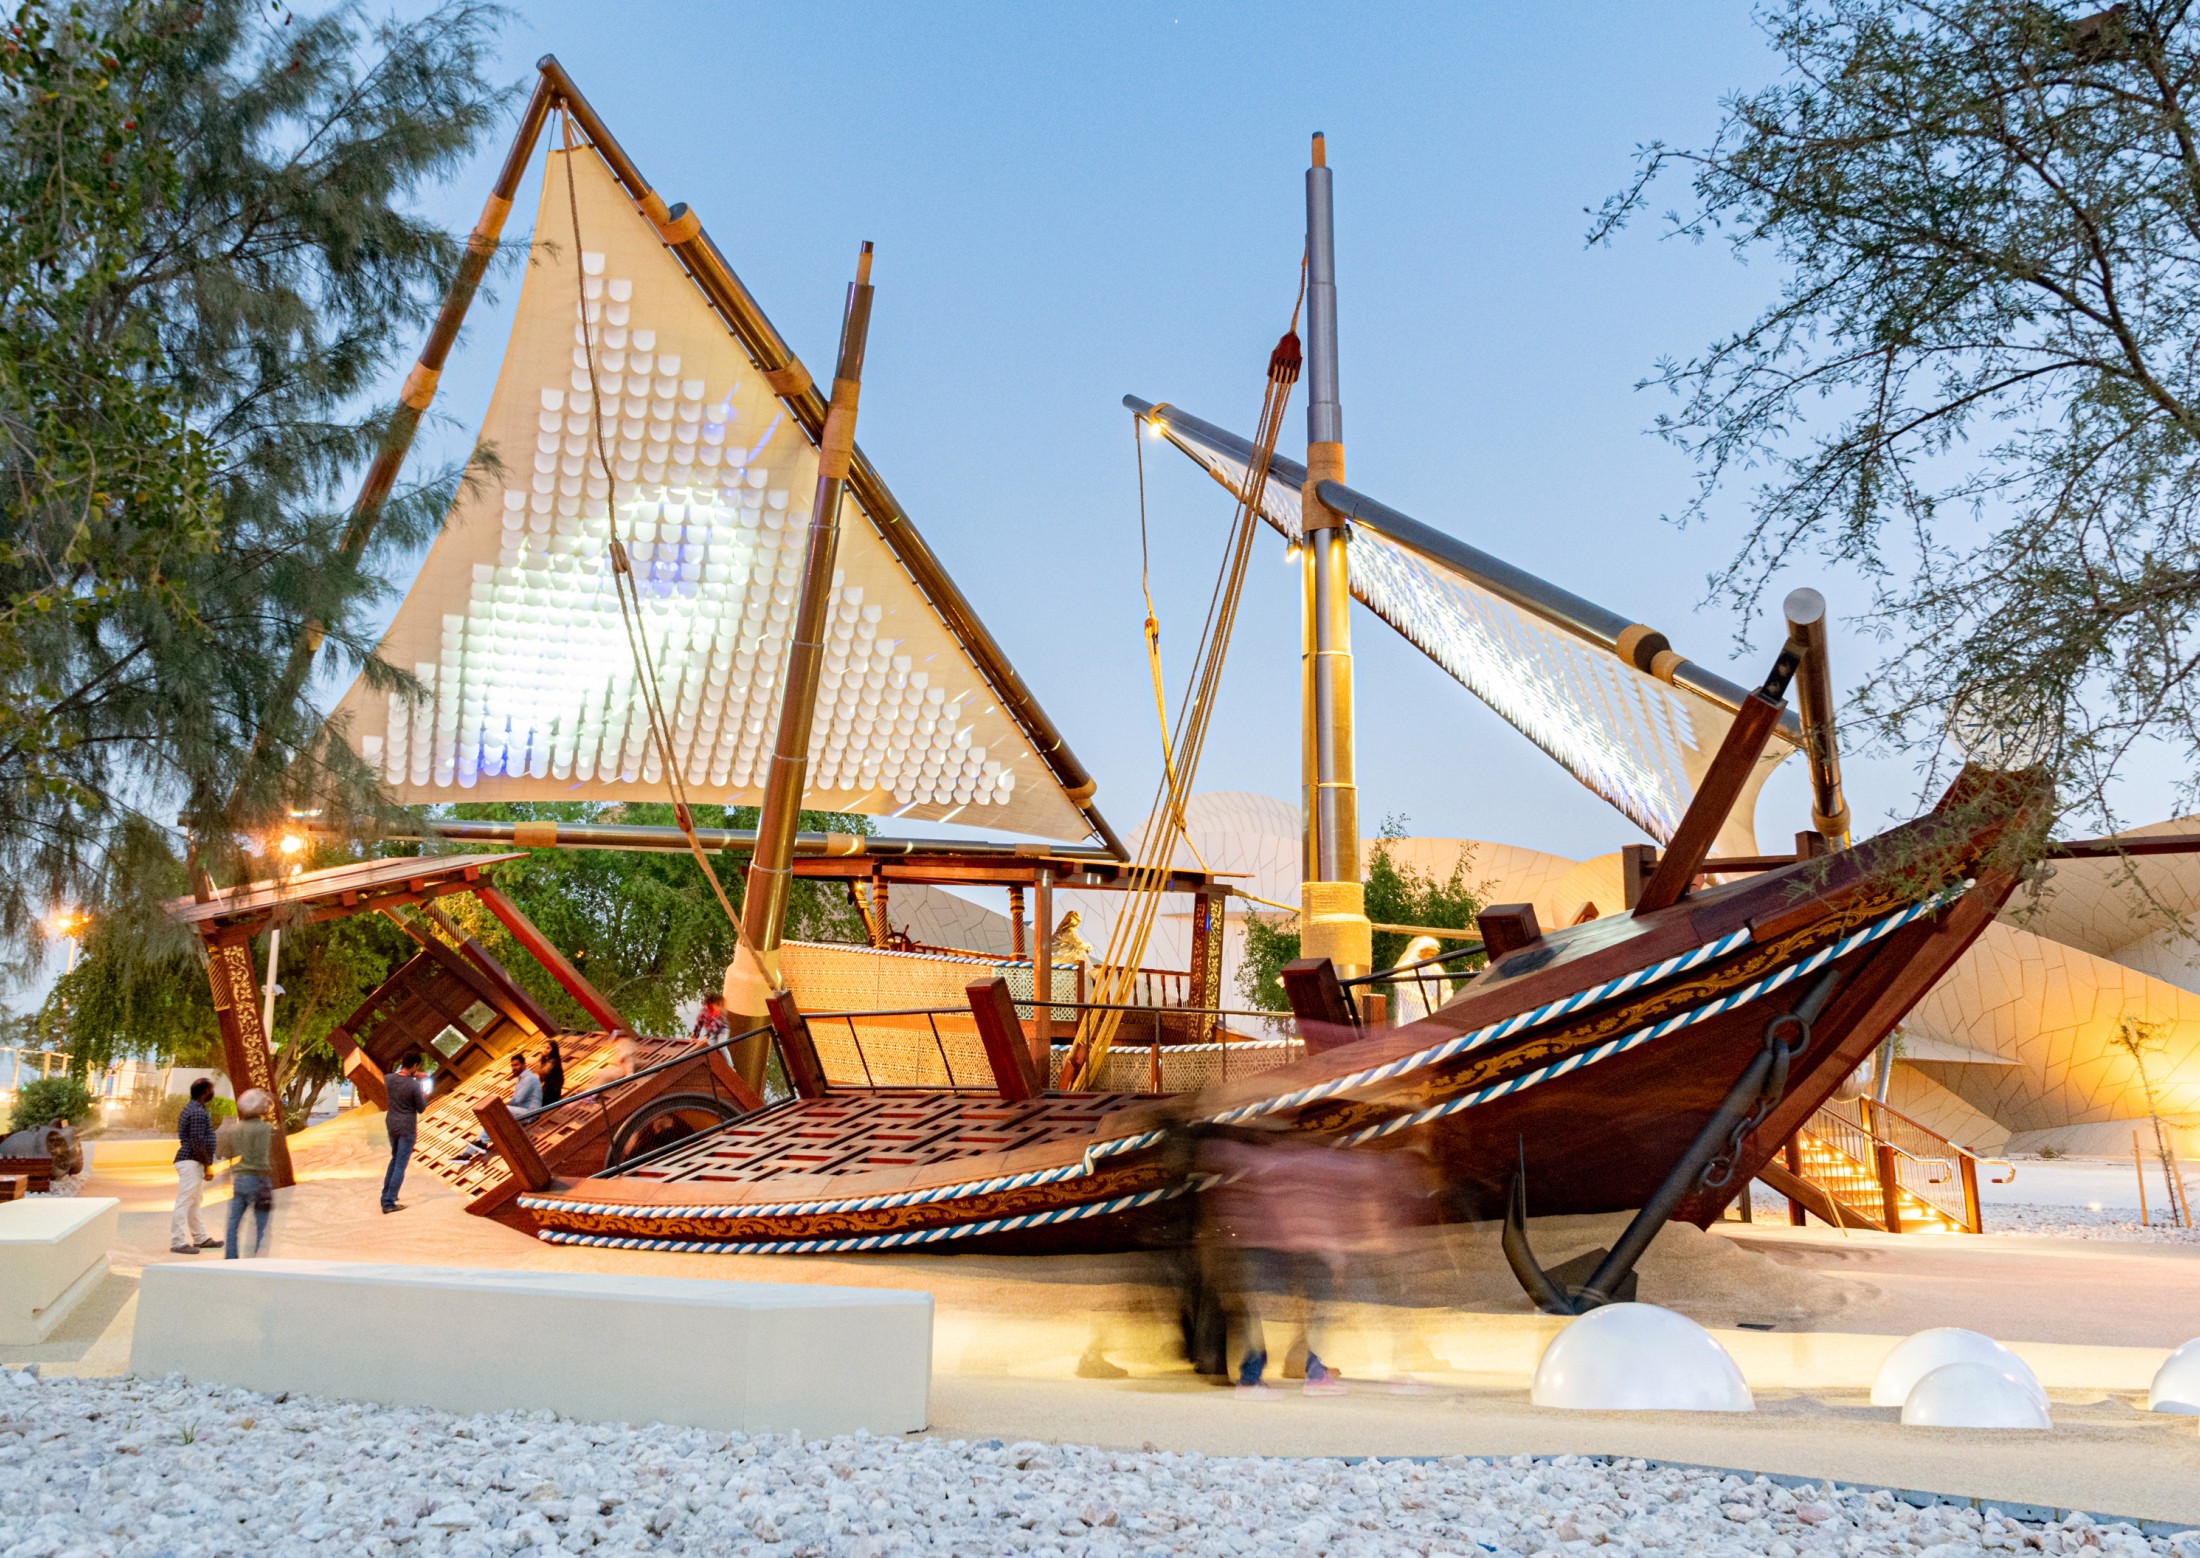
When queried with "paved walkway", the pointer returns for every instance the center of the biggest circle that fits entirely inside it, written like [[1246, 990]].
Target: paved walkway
[[1081, 1349]]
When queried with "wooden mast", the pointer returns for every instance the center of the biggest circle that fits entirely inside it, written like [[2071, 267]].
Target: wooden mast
[[1332, 900], [754, 976], [1805, 611]]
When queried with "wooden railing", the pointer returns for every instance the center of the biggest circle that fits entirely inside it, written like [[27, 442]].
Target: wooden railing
[[1164, 987], [1894, 1172]]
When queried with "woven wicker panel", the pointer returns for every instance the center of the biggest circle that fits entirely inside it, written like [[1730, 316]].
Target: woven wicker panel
[[902, 1052], [832, 977], [1186, 1068]]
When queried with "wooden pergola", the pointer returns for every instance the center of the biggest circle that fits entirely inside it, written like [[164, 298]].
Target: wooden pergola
[[228, 922]]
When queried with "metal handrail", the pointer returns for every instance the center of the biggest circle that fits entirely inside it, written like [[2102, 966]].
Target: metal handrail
[[1383, 975], [599, 1095], [1946, 1166], [635, 1076]]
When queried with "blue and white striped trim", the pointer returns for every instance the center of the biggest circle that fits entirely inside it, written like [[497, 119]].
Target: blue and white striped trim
[[881, 1203], [875, 1241], [1658, 1030], [1439, 1053]]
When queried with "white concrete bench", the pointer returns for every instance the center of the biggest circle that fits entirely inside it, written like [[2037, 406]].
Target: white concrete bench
[[53, 1251], [751, 1356]]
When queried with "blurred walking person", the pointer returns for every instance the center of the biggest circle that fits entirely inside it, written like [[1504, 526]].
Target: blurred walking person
[[1291, 1223], [252, 1179], [401, 1117], [187, 1233], [1266, 1220]]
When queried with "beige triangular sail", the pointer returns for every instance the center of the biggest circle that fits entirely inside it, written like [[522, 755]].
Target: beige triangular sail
[[514, 628], [1606, 699]]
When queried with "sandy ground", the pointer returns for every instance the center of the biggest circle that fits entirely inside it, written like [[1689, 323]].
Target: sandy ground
[[1082, 1349]]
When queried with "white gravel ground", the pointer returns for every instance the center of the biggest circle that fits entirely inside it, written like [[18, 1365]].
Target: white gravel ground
[[2078, 1222], [145, 1467]]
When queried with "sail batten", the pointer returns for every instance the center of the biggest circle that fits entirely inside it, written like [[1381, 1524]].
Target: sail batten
[[1605, 698]]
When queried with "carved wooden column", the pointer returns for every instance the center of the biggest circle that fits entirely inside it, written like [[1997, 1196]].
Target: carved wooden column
[[1207, 943], [244, 1047]]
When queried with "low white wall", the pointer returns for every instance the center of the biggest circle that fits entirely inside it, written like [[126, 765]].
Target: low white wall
[[756, 1357], [53, 1251]]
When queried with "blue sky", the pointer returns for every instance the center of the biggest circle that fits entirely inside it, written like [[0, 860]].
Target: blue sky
[[1072, 203]]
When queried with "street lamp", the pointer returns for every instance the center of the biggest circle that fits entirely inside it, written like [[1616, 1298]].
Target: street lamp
[[69, 923], [291, 846]]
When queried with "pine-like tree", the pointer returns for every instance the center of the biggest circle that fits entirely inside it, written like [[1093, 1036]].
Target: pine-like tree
[[209, 265]]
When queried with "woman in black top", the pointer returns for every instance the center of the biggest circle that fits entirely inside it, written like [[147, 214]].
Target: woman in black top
[[553, 1075]]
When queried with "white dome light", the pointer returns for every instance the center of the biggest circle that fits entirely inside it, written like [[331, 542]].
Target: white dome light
[[1638, 1358], [1974, 1395], [2176, 1386], [1918, 1355]]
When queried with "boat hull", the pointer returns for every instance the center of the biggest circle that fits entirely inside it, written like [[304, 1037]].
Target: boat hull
[[1596, 1057]]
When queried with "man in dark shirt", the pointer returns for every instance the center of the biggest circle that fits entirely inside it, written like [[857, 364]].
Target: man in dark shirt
[[194, 1161], [407, 1097]]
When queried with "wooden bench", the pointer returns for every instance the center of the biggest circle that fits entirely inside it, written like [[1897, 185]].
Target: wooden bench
[[53, 1251], [749, 1356], [37, 1173]]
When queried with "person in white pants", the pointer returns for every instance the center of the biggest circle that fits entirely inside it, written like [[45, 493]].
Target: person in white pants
[[194, 1161]]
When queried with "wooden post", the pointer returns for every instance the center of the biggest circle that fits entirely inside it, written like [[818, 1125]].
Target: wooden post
[[1002, 1033], [542, 950], [1973, 1216], [236, 991], [882, 930], [1637, 864], [1506, 928], [1722, 786], [1018, 942], [1207, 947], [1890, 1191], [2139, 1168], [1318, 1002], [797, 1049], [510, 1140], [1042, 969], [1793, 1154], [359, 1068], [755, 972]]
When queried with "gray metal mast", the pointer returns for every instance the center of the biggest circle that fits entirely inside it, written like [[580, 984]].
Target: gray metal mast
[[1332, 901]]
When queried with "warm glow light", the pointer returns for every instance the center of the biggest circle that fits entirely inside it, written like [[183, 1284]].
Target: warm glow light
[[64, 922], [292, 843]]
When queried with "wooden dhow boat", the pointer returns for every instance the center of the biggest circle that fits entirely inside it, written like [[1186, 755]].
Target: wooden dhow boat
[[1654, 1060]]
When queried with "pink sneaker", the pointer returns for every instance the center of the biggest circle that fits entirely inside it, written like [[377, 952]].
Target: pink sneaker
[[1322, 1380]]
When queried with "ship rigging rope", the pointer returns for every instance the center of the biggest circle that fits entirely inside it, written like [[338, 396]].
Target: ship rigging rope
[[622, 568], [1165, 823]]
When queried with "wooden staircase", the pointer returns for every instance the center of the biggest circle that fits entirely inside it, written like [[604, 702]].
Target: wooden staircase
[[1859, 1164]]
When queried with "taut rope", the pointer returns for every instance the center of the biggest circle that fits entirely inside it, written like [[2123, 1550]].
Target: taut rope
[[1165, 823]]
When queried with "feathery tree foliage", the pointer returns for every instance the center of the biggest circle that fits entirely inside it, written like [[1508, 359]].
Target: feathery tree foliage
[[1979, 385], [208, 262], [1398, 893], [644, 927]]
